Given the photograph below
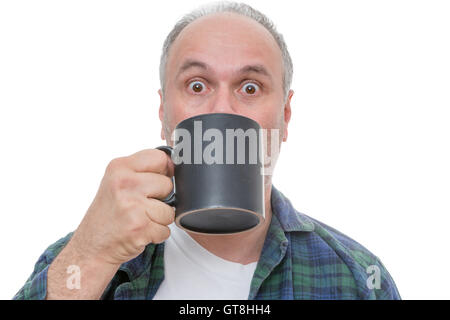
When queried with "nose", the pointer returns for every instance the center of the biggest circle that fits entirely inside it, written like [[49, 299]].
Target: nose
[[223, 101]]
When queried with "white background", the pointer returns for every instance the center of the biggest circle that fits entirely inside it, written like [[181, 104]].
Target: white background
[[368, 150]]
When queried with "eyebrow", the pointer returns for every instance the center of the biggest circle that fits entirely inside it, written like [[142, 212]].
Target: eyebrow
[[256, 68]]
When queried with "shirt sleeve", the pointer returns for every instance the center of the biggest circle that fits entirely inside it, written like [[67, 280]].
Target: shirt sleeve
[[387, 290], [35, 287]]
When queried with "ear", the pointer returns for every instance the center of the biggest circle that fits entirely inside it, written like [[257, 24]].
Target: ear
[[287, 114], [161, 114]]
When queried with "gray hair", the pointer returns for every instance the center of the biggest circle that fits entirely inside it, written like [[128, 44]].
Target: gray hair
[[225, 6]]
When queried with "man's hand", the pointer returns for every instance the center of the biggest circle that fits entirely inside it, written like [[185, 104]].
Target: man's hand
[[126, 215]]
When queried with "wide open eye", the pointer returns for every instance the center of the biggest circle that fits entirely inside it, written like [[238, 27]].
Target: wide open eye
[[250, 88], [196, 86]]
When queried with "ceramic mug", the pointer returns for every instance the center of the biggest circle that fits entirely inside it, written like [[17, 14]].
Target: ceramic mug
[[218, 180]]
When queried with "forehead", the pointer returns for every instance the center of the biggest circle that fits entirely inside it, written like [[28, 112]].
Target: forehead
[[227, 42]]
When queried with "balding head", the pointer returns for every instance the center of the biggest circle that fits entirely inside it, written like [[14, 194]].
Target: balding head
[[238, 8]]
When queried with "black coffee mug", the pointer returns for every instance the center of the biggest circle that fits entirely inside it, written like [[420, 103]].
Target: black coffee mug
[[218, 181]]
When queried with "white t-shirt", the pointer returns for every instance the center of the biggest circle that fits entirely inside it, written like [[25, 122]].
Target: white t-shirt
[[192, 272]]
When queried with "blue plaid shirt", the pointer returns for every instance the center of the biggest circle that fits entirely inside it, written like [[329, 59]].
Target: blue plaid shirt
[[302, 258]]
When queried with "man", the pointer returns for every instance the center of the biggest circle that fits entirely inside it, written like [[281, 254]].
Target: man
[[225, 58]]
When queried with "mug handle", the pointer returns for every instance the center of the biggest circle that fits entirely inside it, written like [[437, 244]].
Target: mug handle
[[170, 199]]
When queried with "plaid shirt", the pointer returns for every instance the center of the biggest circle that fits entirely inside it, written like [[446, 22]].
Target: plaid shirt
[[302, 258]]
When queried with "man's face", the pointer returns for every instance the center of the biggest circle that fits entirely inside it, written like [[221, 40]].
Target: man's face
[[225, 63]]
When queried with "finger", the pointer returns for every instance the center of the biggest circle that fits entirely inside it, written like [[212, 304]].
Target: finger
[[151, 160], [156, 233], [153, 185], [159, 212]]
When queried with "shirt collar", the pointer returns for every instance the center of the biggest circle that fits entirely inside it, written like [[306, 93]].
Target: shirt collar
[[284, 219], [290, 219]]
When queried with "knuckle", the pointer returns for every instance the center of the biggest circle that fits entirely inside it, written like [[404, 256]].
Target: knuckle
[[119, 182], [114, 185], [141, 243], [125, 182], [115, 164]]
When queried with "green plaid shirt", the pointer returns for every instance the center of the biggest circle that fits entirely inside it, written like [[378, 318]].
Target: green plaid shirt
[[302, 258]]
